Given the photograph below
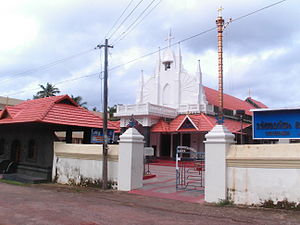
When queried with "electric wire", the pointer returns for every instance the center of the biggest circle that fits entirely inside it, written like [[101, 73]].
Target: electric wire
[[154, 52], [139, 22], [113, 26], [124, 20], [45, 66], [134, 22], [258, 10]]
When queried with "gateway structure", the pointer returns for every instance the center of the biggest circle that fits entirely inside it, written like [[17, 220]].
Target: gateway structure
[[174, 108]]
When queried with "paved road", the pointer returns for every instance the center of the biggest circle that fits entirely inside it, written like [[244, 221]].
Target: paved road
[[54, 204]]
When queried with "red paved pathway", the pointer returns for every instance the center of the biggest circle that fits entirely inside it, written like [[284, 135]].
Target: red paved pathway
[[164, 186]]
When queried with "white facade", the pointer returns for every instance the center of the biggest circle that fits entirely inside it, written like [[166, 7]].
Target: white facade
[[170, 91]]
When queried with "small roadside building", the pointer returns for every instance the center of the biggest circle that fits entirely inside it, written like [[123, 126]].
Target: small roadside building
[[27, 131]]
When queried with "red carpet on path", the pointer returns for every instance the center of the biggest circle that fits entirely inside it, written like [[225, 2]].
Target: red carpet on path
[[166, 162]]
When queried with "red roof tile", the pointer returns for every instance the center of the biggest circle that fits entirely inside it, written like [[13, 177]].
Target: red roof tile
[[230, 102], [203, 123], [257, 103], [56, 110]]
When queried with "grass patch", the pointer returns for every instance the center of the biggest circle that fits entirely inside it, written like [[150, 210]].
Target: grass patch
[[224, 202], [13, 182], [284, 204]]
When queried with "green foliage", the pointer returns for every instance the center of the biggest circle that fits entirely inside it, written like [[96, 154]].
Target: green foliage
[[284, 204], [12, 182], [224, 202], [79, 101], [111, 111], [47, 91]]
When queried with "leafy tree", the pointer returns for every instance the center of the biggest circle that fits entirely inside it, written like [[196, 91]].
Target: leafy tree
[[47, 91], [111, 111], [79, 101]]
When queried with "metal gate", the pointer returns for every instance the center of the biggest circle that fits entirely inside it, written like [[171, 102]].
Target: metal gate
[[190, 169]]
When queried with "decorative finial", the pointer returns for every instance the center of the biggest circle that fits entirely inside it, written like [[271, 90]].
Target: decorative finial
[[169, 38], [220, 9]]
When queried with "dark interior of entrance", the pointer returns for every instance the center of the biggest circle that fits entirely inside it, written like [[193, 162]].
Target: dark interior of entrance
[[165, 145], [15, 151]]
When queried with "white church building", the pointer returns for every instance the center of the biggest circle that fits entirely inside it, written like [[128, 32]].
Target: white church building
[[174, 108]]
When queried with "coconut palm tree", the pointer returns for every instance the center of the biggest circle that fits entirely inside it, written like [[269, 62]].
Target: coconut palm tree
[[47, 91], [78, 100]]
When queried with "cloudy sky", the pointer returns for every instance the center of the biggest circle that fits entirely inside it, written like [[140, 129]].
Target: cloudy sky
[[53, 41]]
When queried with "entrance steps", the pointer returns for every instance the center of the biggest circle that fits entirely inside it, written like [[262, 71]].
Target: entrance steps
[[23, 178]]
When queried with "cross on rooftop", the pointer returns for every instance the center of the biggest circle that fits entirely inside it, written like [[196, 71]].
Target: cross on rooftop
[[169, 38], [220, 9]]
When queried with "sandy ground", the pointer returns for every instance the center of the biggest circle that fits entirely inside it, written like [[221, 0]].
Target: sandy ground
[[58, 204]]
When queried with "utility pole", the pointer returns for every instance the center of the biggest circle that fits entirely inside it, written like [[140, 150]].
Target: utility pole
[[105, 94]]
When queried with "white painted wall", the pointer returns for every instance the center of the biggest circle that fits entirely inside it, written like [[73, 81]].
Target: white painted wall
[[256, 185], [75, 163], [258, 173]]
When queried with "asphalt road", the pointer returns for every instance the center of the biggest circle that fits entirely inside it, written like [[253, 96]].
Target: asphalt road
[[57, 204]]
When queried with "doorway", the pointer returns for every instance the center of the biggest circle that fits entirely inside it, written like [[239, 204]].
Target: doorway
[[165, 145], [15, 154]]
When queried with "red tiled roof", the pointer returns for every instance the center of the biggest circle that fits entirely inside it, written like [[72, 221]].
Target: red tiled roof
[[56, 110], [117, 126], [258, 103], [230, 102], [203, 123]]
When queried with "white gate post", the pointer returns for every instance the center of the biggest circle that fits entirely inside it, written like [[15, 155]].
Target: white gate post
[[217, 143], [131, 160]]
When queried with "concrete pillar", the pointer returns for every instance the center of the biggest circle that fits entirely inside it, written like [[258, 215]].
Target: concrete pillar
[[131, 160], [217, 143]]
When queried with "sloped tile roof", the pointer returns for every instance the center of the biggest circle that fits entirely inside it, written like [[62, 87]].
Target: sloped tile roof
[[230, 102], [203, 123], [257, 103], [56, 110]]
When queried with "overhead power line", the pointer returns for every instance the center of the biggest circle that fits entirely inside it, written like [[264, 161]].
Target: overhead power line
[[154, 52], [124, 20], [133, 23], [115, 23], [45, 66], [138, 22]]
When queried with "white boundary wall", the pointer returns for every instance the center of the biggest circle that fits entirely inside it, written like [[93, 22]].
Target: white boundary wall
[[81, 164], [77, 163], [250, 174], [258, 173]]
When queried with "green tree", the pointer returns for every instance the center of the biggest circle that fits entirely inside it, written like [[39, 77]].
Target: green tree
[[79, 101], [47, 91], [111, 110]]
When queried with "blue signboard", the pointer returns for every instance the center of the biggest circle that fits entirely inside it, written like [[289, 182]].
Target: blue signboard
[[275, 124], [97, 136]]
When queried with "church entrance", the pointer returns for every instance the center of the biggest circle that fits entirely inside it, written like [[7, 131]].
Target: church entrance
[[165, 145], [15, 154]]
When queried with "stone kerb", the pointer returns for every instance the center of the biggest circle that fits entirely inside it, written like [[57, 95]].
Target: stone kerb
[[217, 144], [130, 168]]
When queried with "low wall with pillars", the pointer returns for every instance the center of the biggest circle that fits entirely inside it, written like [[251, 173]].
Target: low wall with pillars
[[258, 173]]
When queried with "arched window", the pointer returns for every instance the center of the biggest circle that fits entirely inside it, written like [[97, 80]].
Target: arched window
[[2, 146], [31, 153]]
